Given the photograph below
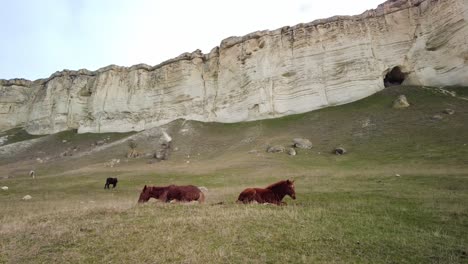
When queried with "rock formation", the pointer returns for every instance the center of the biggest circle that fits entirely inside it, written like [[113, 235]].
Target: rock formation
[[264, 74]]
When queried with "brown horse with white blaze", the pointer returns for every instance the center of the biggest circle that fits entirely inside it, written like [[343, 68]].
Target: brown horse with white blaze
[[273, 193], [170, 193]]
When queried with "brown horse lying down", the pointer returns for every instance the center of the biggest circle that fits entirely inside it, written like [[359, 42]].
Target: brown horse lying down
[[172, 192], [271, 194]]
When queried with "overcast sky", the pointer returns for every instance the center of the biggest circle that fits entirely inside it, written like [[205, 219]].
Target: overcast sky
[[39, 37]]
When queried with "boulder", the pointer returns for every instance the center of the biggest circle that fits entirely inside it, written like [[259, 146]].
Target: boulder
[[165, 138], [449, 111], [401, 102], [275, 149], [5, 188], [302, 143], [292, 152], [437, 117], [339, 151], [27, 197]]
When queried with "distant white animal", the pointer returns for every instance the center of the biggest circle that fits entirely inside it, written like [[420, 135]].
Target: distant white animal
[[32, 174], [5, 188], [27, 197]]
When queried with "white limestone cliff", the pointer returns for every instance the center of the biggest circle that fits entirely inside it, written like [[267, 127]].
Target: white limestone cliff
[[264, 74]]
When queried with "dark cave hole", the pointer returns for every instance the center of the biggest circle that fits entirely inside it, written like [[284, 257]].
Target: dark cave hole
[[394, 77]]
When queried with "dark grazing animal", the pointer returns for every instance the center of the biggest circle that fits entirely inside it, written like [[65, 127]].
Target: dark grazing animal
[[273, 194], [172, 192], [110, 181]]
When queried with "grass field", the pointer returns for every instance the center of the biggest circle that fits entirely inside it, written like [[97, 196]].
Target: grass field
[[349, 209]]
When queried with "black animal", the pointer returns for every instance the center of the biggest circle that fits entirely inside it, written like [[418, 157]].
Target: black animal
[[110, 181]]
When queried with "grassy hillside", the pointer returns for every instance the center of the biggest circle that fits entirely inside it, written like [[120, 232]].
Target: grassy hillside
[[400, 195]]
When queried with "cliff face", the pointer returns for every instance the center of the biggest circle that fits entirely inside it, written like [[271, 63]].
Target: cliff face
[[262, 75]]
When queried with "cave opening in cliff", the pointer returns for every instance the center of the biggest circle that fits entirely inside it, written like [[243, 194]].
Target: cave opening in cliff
[[394, 77]]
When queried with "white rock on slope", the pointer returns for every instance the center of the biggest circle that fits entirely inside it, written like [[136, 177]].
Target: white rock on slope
[[264, 74]]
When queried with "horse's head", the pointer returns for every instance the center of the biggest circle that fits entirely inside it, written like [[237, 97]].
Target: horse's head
[[290, 189], [144, 195]]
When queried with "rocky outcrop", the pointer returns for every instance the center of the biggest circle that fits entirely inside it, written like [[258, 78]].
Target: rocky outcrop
[[401, 102], [264, 74]]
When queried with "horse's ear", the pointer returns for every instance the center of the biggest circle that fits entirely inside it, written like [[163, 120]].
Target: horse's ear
[[144, 188]]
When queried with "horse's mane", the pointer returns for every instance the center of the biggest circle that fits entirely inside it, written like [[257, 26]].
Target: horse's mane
[[276, 184]]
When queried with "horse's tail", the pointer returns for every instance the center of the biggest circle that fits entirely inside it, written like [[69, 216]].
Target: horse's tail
[[201, 197]]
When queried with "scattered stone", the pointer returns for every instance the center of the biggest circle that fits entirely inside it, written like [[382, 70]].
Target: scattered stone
[[253, 151], [5, 188], [112, 163], [401, 102], [247, 140], [27, 197], [64, 141], [188, 161], [302, 143], [366, 123], [446, 92], [39, 160], [292, 152], [275, 149], [99, 143], [166, 138], [176, 149], [66, 153], [133, 153], [449, 111], [397, 175], [3, 139], [339, 151], [437, 117], [163, 152]]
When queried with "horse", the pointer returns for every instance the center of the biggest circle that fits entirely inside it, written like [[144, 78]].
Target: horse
[[110, 181], [273, 193], [170, 193]]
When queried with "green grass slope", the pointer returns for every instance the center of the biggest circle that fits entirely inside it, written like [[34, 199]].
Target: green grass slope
[[349, 209]]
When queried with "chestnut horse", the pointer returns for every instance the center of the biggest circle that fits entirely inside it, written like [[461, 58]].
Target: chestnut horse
[[172, 192], [274, 193]]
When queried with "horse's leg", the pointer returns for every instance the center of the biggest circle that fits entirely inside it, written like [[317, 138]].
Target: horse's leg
[[201, 198], [163, 197]]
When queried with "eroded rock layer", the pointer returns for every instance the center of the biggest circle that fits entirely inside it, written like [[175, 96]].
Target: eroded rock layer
[[264, 74]]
